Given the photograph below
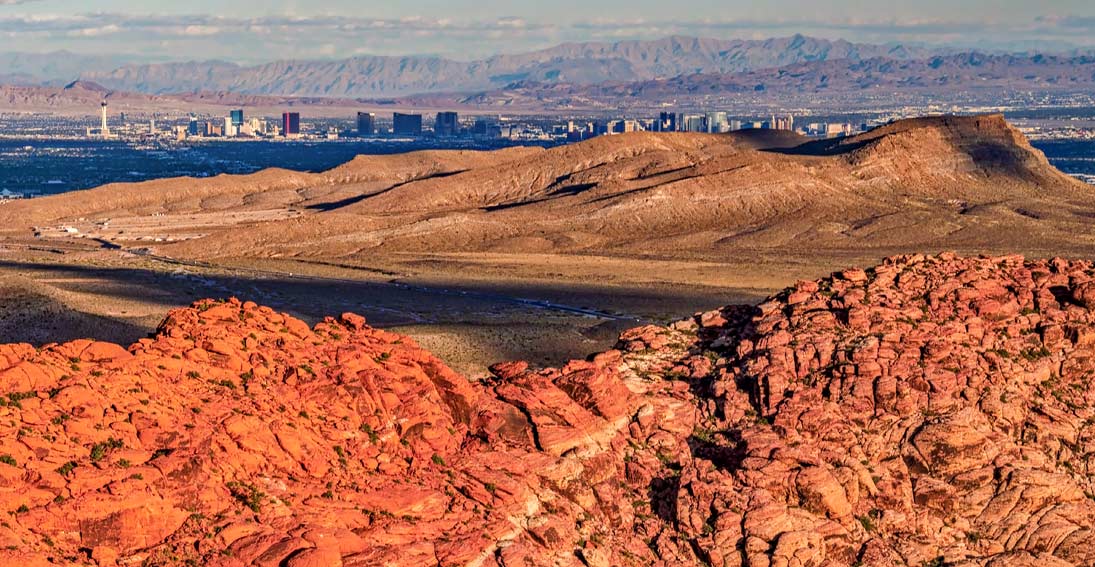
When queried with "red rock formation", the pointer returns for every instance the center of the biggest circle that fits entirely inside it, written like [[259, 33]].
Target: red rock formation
[[240, 436], [928, 411]]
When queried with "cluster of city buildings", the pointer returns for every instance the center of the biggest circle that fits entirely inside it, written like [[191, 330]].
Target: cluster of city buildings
[[235, 125], [719, 122], [450, 125]]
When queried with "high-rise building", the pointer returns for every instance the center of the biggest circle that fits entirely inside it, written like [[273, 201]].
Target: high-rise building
[[237, 117], [230, 128], [691, 123], [446, 124], [780, 123], [255, 127], [102, 127], [290, 124], [667, 122], [407, 124], [715, 122], [624, 126], [192, 126], [487, 127], [366, 124]]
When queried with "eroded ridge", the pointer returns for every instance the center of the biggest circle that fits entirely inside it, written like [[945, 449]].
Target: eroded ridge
[[927, 411]]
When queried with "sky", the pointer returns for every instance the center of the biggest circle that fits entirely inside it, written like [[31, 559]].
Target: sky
[[249, 32]]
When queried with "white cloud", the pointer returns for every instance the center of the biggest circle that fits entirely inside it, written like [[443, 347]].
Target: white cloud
[[95, 31], [287, 36], [200, 30]]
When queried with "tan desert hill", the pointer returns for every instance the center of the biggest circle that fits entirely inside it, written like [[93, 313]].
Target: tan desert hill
[[643, 226], [947, 182]]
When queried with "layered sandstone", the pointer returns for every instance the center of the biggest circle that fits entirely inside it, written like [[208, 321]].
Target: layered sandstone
[[927, 411]]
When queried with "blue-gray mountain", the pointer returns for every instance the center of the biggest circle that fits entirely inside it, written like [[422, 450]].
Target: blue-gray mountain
[[952, 78], [576, 63], [56, 68]]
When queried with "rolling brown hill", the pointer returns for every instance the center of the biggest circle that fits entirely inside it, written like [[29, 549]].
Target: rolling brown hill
[[968, 183]]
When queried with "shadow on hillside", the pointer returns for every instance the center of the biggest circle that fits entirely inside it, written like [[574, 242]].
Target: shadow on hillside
[[499, 321], [335, 205], [43, 322], [988, 144]]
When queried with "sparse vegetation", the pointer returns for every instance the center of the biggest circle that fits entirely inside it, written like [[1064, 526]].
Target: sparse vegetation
[[247, 495], [100, 450]]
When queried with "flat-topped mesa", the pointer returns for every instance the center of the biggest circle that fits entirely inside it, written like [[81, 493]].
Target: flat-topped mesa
[[929, 410]]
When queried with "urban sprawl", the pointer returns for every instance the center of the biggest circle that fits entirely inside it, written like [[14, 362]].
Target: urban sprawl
[[450, 125]]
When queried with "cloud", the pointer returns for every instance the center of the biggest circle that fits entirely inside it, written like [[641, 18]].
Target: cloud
[[16, 2], [324, 36]]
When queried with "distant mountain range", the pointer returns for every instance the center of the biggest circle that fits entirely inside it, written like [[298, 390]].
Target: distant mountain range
[[56, 68], [375, 76], [590, 76], [941, 77]]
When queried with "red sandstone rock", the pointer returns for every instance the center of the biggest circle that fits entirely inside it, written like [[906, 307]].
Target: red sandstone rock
[[929, 410]]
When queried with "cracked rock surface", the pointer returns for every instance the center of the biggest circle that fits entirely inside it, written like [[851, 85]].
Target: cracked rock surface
[[931, 410]]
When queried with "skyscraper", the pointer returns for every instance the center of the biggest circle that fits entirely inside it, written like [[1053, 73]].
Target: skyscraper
[[667, 122], [290, 124], [487, 127], [447, 124], [366, 124], [237, 117], [192, 126], [715, 122], [105, 131], [407, 124], [691, 123]]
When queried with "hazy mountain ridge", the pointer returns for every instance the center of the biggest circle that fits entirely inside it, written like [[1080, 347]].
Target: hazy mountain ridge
[[939, 75], [54, 68], [579, 63]]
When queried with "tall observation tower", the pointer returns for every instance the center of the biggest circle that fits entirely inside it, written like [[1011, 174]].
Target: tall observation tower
[[102, 126]]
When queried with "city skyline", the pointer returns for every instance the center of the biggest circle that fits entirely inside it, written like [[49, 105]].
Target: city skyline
[[254, 32]]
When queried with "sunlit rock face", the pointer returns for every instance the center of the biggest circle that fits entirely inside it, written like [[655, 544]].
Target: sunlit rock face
[[929, 410]]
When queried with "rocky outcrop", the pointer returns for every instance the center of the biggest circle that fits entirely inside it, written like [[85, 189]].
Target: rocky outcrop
[[930, 410], [927, 411], [240, 436]]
